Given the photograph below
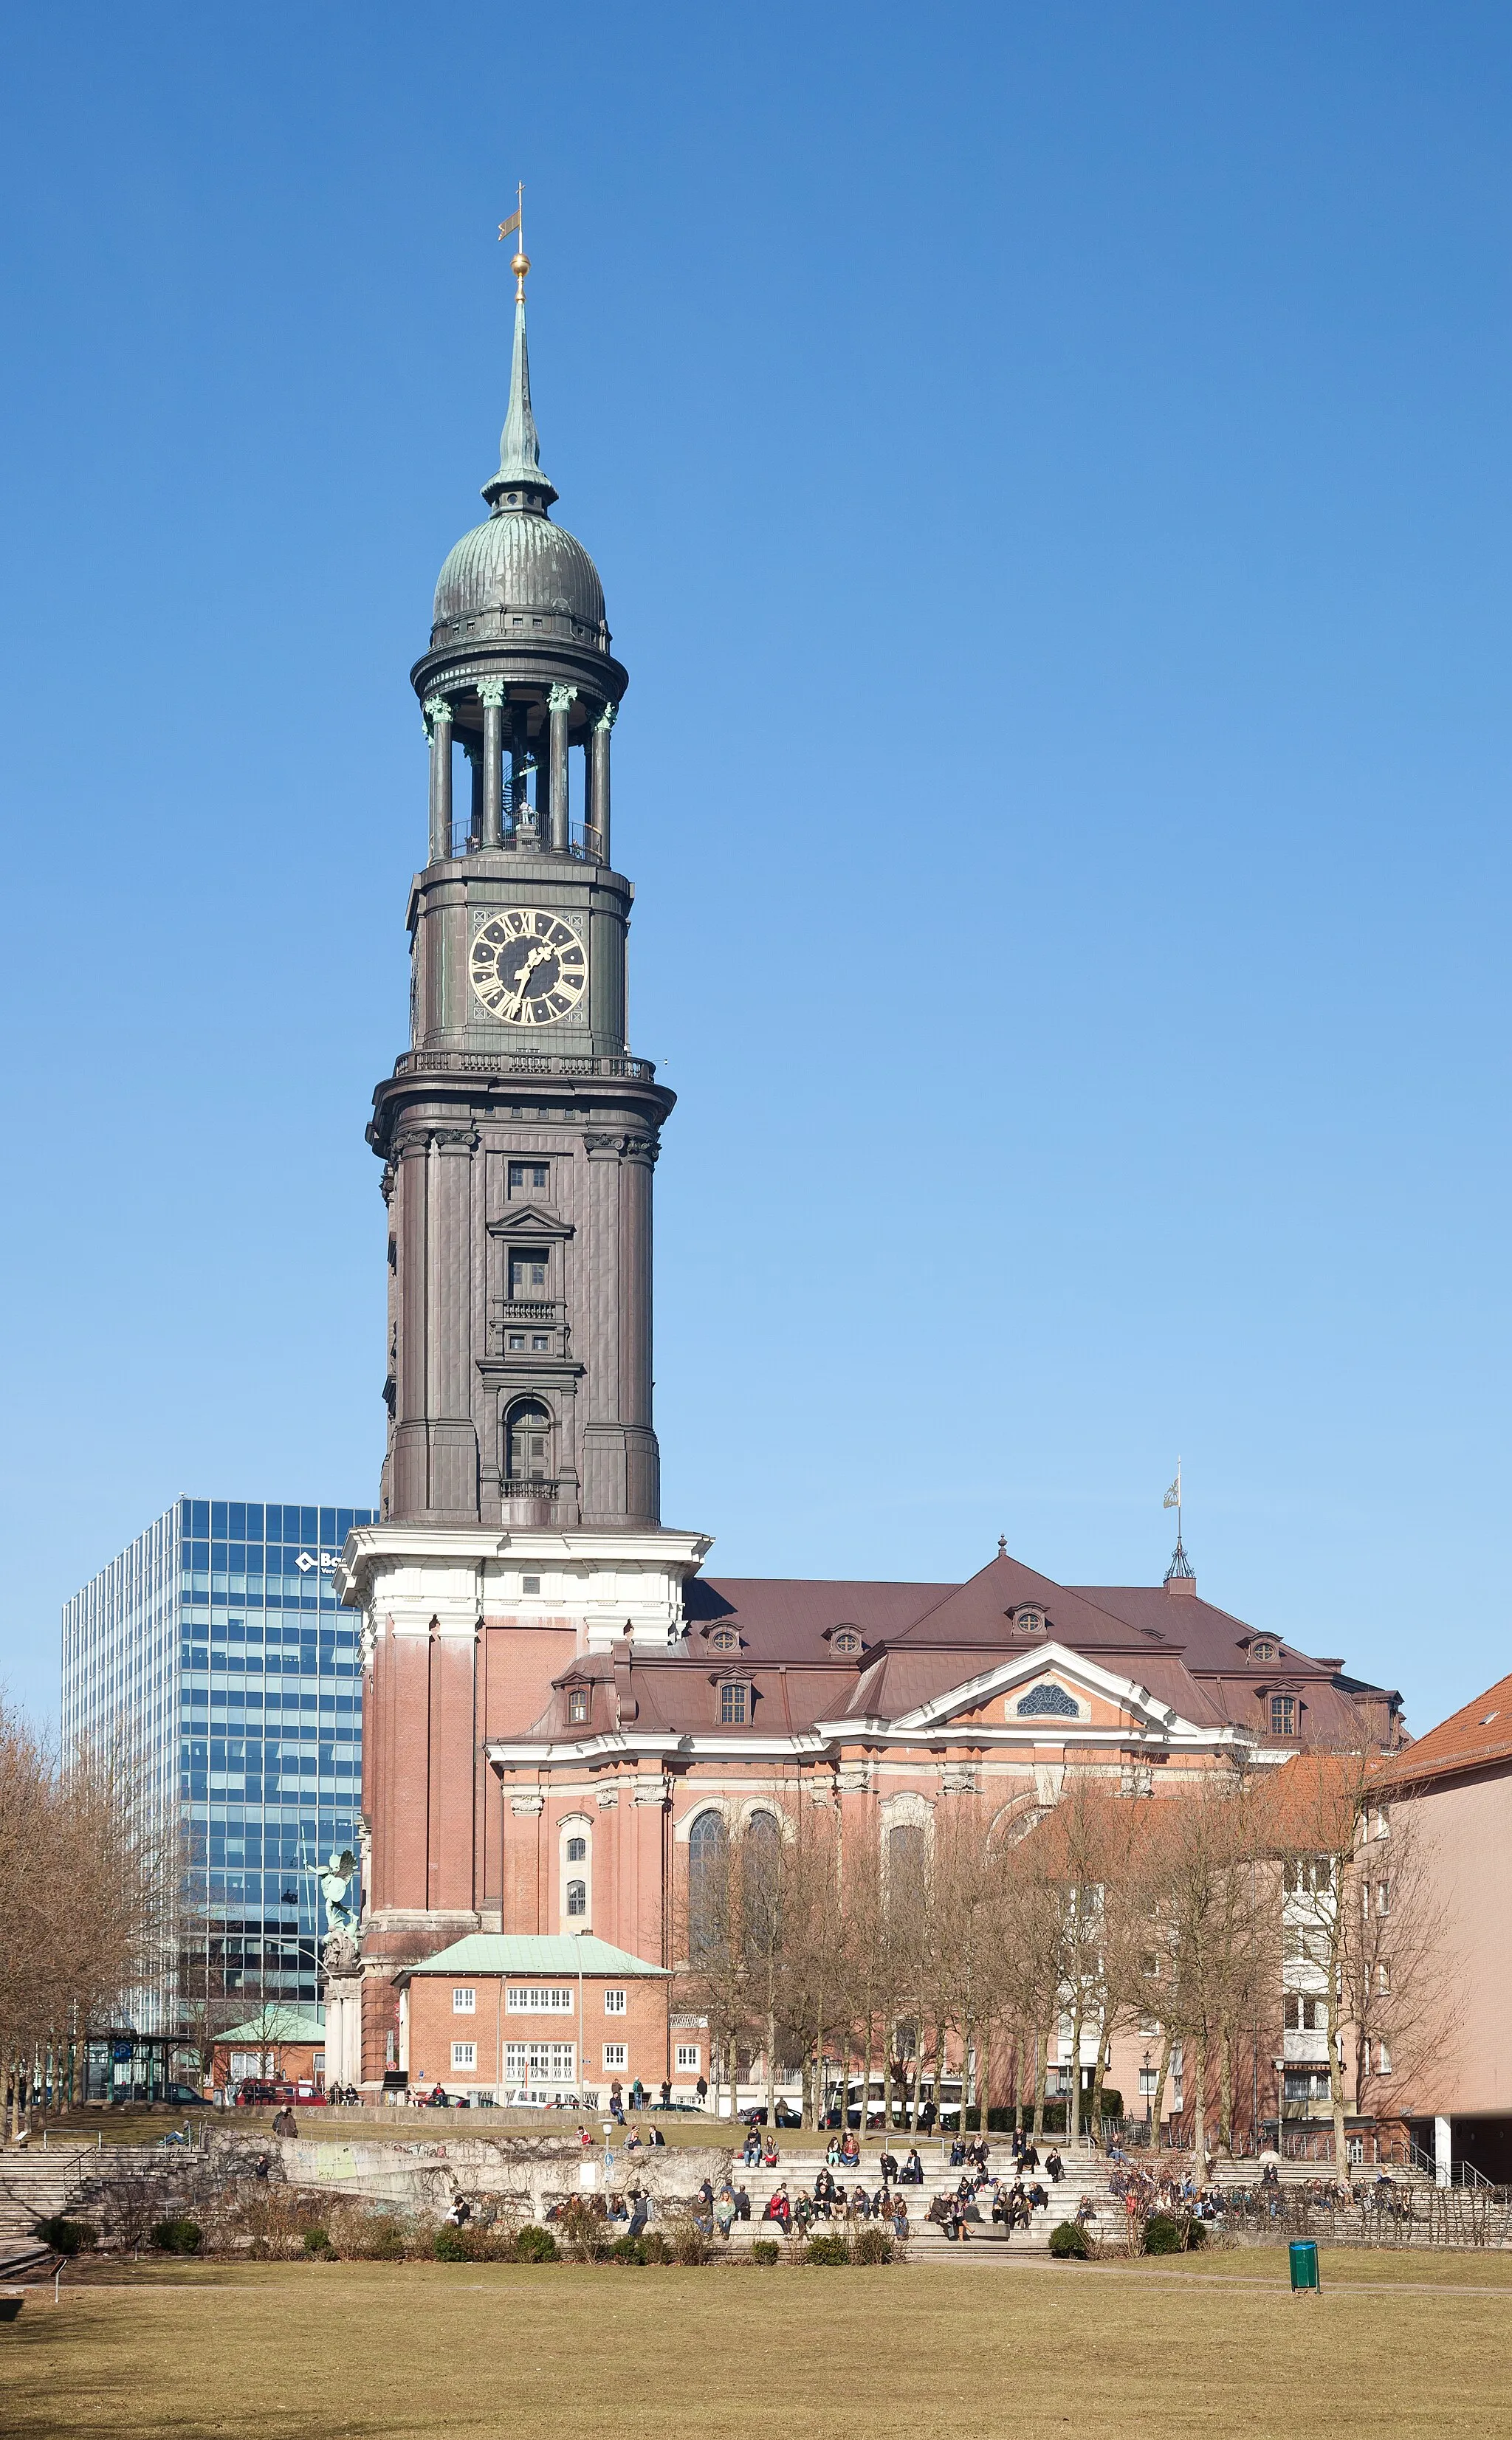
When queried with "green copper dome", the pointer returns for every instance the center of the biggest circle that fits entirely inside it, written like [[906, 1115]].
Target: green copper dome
[[517, 565]]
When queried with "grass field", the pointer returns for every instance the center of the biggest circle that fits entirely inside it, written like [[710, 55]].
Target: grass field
[[1398, 2344]]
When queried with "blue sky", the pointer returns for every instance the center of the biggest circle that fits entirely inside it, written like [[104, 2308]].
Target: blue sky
[[1050, 471]]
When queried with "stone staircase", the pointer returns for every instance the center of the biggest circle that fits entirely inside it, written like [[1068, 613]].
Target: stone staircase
[[36, 2185], [797, 2168]]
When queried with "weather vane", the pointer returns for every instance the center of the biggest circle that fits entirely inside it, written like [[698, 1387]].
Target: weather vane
[[513, 227]]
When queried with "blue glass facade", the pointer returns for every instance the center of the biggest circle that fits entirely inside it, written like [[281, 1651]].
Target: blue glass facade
[[217, 1642]]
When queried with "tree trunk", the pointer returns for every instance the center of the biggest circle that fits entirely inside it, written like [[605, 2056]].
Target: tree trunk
[[1074, 2108], [1199, 2105], [1226, 2093], [771, 2065], [918, 2069], [939, 2065], [984, 2078], [1036, 2121], [1158, 2104], [1098, 2072]]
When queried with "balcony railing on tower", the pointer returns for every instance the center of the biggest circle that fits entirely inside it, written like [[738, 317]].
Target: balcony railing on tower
[[524, 835]]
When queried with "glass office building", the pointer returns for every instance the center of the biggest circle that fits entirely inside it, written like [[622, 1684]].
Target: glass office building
[[216, 1646]]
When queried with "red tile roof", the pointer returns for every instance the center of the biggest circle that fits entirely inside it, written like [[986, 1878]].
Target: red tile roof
[[1479, 1735]]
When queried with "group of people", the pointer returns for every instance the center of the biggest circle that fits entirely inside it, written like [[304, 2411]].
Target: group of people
[[831, 2202], [651, 2139], [638, 2099]]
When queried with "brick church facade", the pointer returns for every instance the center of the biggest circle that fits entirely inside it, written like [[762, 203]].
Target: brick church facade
[[560, 1703]]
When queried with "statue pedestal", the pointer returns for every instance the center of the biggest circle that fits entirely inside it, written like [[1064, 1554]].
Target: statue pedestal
[[343, 2013]]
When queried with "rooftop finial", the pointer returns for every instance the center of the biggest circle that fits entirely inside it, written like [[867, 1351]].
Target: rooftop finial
[[519, 457], [1181, 1570]]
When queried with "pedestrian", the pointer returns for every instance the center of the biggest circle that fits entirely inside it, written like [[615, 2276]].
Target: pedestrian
[[701, 2088]]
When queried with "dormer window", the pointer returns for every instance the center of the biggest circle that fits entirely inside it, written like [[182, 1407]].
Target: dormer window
[[734, 1704], [577, 1706], [725, 1639], [845, 1639], [1262, 1650], [1283, 1715], [1030, 1622]]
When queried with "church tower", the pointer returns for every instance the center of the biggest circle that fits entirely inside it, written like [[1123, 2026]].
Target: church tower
[[520, 1505]]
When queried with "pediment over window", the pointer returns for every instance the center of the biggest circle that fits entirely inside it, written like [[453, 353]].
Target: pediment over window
[[531, 1221]]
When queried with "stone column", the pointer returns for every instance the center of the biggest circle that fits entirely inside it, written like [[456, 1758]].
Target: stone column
[[491, 695], [559, 702], [438, 714], [598, 758], [474, 751]]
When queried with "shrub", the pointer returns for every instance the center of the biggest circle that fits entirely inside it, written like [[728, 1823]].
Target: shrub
[[68, 2236], [377, 2240], [175, 2235], [688, 2244], [587, 2236], [872, 2245], [536, 2244], [1069, 2243], [628, 2249], [654, 2246], [449, 2245], [826, 2250], [1165, 2234], [317, 2240], [764, 2249]]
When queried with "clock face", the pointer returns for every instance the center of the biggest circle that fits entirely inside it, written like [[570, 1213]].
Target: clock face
[[527, 967]]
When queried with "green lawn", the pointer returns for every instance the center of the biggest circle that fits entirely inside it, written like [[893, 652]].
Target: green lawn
[[341, 2352]]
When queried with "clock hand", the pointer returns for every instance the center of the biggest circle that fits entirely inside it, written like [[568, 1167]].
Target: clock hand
[[537, 958]]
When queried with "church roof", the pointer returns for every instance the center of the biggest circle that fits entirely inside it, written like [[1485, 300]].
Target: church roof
[[920, 1641]]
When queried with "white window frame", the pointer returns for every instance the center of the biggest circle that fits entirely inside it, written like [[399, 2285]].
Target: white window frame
[[689, 2057], [464, 2058], [539, 2000], [464, 2000], [614, 2001], [616, 2056]]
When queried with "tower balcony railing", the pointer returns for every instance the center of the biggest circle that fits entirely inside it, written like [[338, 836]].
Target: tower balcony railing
[[517, 1309], [520, 1063], [527, 1502], [527, 835]]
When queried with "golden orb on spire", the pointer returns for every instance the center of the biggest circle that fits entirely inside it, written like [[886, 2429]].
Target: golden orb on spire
[[520, 265]]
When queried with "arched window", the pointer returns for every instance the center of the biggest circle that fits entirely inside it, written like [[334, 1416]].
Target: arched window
[[528, 1438], [761, 1880], [708, 1882], [577, 1894], [905, 1863], [577, 1851]]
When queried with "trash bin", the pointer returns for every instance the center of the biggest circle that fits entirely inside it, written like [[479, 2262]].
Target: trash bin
[[1303, 2265]]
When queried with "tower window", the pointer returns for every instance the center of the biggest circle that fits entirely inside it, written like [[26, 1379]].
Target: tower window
[[1283, 1715], [577, 1851], [733, 1706], [529, 1584], [540, 1344], [577, 1715], [526, 1174], [516, 1342], [527, 1275], [577, 1897], [529, 1436]]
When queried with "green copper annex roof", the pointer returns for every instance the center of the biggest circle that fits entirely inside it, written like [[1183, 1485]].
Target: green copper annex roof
[[526, 1952], [278, 2025], [519, 446]]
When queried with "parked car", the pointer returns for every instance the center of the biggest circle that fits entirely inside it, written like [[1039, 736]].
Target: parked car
[[262, 2092], [786, 2115], [184, 2096]]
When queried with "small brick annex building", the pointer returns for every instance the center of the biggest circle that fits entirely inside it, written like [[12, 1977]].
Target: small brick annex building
[[562, 1715]]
